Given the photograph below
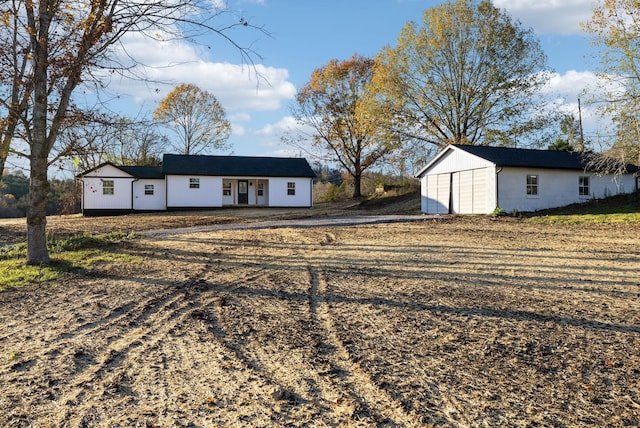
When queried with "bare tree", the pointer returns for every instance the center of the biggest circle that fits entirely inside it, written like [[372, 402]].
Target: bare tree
[[120, 140], [50, 47]]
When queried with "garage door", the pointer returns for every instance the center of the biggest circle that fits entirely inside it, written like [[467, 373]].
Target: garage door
[[438, 193]]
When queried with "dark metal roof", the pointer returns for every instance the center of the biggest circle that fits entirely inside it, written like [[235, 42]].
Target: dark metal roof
[[149, 172], [236, 166], [134, 171], [508, 156]]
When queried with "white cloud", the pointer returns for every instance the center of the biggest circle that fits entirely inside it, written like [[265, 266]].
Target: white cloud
[[549, 16], [167, 63], [239, 117], [566, 89], [284, 125]]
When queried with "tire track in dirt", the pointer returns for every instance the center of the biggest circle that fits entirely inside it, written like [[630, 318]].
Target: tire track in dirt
[[377, 401], [142, 326]]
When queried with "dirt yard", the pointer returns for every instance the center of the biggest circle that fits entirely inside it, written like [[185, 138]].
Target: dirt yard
[[457, 322]]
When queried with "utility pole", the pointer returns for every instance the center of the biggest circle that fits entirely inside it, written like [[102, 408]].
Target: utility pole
[[580, 124]]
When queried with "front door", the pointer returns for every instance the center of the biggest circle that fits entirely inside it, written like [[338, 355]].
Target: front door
[[243, 192]]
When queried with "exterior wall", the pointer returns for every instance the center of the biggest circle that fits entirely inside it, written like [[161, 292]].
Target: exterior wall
[[155, 202], [180, 195], [279, 197], [556, 188], [92, 190]]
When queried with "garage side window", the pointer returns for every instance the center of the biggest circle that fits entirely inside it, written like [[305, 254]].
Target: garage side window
[[148, 189], [194, 183], [532, 185], [291, 188], [108, 187], [583, 186]]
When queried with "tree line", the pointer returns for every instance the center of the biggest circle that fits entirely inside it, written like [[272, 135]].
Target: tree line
[[466, 73], [63, 197]]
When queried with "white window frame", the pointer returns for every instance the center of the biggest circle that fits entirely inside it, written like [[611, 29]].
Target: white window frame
[[584, 184], [532, 185], [149, 189], [194, 183], [291, 188], [108, 187]]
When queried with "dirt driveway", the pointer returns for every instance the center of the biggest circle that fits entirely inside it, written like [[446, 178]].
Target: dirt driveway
[[457, 322]]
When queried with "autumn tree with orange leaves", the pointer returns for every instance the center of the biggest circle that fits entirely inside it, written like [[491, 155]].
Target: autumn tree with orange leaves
[[50, 48], [196, 117], [331, 105]]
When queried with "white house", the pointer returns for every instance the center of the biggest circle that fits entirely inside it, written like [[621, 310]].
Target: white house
[[186, 182], [465, 179]]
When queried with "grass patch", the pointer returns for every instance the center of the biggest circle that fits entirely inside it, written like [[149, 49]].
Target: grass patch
[[626, 218], [616, 210], [79, 252]]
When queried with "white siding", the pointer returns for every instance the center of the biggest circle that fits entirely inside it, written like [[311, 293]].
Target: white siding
[[144, 202], [94, 198], [180, 195], [484, 193], [279, 197], [556, 188]]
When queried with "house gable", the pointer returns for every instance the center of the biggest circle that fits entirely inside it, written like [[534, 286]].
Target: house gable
[[453, 159], [106, 170]]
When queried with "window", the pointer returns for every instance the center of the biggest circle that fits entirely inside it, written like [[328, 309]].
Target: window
[[260, 189], [583, 186], [291, 188], [108, 187], [148, 189], [194, 183], [532, 185], [226, 188]]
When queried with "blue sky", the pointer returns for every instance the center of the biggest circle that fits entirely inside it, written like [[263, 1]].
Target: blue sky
[[305, 35]]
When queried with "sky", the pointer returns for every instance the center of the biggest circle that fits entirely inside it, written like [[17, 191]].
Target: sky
[[303, 35]]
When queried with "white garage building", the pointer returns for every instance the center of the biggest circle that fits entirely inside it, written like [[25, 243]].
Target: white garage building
[[465, 179]]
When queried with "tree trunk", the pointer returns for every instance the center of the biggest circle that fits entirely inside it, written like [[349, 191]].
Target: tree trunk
[[37, 252], [3, 160], [356, 186]]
